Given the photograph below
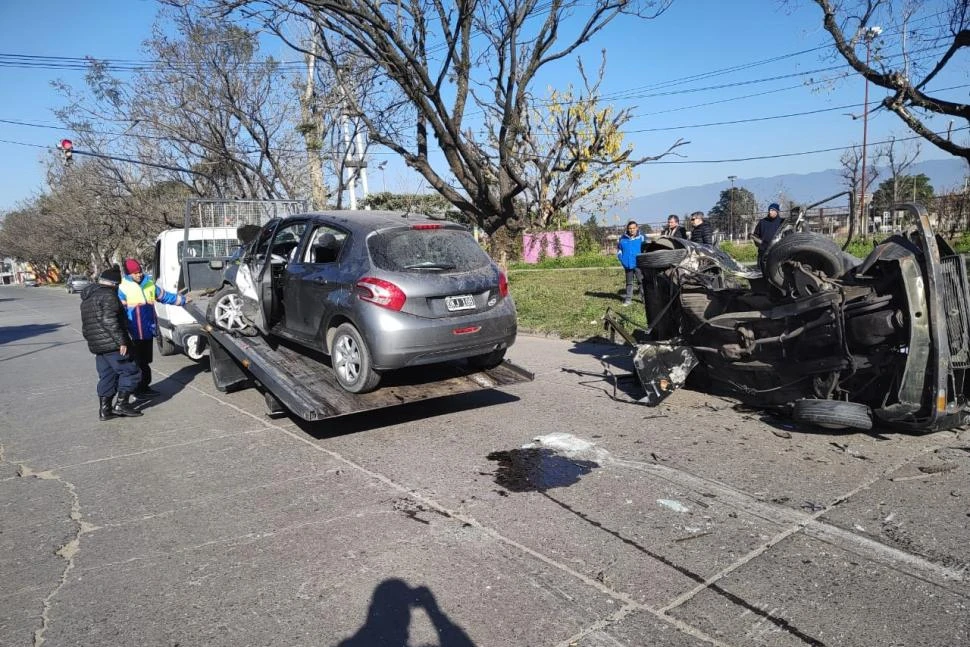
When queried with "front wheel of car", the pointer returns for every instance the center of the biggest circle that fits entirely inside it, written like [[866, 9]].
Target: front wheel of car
[[226, 313], [487, 360], [351, 361], [833, 414]]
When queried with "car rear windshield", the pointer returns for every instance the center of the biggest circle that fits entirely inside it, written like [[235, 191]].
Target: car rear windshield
[[426, 250]]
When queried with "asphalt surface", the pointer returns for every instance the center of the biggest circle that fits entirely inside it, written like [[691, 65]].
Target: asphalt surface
[[447, 523]]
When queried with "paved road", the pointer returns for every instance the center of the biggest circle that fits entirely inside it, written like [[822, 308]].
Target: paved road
[[205, 523]]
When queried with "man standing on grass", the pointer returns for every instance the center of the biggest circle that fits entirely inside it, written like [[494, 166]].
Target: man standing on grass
[[627, 249]]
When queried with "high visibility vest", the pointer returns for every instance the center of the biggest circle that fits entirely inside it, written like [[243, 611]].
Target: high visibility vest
[[135, 294]]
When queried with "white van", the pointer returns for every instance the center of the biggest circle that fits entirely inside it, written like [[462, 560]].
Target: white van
[[182, 262]]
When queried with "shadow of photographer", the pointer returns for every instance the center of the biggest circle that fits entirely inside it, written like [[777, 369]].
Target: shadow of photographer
[[389, 618]]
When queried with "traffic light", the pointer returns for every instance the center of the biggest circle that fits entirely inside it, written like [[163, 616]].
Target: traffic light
[[67, 149]]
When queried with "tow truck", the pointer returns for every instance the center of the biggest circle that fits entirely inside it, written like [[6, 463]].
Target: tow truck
[[295, 379]]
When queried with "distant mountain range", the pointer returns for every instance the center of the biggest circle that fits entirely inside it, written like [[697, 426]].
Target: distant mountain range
[[944, 174]]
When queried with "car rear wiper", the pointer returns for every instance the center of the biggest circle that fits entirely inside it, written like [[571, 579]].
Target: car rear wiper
[[429, 265]]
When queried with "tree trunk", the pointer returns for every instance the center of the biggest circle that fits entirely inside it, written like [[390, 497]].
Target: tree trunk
[[312, 137]]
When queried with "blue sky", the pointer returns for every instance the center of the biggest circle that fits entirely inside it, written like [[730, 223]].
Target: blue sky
[[649, 65]]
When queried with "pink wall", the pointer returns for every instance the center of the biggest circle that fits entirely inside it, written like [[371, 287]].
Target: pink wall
[[533, 243]]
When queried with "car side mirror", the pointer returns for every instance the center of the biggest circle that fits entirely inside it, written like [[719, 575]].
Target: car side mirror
[[216, 264]]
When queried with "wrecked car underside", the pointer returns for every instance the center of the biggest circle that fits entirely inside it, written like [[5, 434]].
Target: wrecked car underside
[[831, 339]]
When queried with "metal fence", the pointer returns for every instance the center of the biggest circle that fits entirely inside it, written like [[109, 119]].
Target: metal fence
[[236, 213]]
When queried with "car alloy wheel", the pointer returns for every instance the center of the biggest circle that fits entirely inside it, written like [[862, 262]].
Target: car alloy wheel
[[226, 312], [351, 361]]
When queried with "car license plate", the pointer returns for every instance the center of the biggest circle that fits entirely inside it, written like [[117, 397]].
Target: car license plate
[[460, 302]]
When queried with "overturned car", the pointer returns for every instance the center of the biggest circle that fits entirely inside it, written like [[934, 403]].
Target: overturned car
[[830, 339]]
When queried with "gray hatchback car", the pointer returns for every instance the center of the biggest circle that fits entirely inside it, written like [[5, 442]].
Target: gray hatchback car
[[375, 290]]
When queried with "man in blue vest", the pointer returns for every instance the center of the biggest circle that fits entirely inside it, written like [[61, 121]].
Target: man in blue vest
[[138, 294]]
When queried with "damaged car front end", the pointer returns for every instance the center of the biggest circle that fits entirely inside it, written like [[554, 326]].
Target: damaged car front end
[[828, 338]]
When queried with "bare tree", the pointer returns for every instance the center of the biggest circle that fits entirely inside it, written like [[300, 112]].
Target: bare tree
[[207, 112], [851, 161], [880, 24], [466, 70], [898, 161]]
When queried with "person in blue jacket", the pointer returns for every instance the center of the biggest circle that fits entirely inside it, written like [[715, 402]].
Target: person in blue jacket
[[627, 249], [138, 294]]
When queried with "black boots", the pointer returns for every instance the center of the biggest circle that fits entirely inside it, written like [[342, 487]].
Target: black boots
[[106, 412], [124, 408]]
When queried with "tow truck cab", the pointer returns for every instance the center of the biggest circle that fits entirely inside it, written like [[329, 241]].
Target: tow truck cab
[[182, 262]]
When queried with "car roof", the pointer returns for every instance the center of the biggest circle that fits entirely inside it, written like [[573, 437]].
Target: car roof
[[361, 220]]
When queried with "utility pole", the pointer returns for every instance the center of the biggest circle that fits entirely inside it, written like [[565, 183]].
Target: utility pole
[[355, 162], [732, 178], [870, 33]]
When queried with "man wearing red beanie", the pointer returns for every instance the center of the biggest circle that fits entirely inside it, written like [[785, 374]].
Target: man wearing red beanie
[[138, 294]]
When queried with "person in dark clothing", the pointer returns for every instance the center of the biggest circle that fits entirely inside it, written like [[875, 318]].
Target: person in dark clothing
[[105, 329], [766, 230], [701, 231], [674, 229]]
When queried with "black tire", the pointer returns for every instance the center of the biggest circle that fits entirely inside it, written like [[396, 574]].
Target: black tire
[[225, 312], [165, 346], [488, 360], [351, 361], [661, 259], [833, 414], [820, 253]]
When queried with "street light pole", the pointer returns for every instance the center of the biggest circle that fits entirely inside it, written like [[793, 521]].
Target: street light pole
[[732, 178]]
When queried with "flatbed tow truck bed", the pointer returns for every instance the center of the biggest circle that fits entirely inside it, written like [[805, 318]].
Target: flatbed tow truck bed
[[303, 381]]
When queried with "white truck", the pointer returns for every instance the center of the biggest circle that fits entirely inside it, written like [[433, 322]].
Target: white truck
[[182, 256]]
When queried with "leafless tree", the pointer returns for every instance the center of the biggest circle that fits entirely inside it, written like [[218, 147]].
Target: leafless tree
[[851, 161], [466, 70], [898, 160], [925, 50]]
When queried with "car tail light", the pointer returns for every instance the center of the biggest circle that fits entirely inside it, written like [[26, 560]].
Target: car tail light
[[380, 292], [426, 226], [503, 284]]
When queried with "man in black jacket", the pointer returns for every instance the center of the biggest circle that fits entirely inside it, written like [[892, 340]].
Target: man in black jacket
[[702, 231], [105, 328], [766, 230]]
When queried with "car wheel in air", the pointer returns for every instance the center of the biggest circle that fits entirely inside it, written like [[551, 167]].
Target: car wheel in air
[[351, 361], [225, 312], [661, 259], [818, 252], [833, 414], [487, 360], [165, 346]]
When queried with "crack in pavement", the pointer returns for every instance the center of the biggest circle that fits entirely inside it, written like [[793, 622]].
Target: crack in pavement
[[68, 551]]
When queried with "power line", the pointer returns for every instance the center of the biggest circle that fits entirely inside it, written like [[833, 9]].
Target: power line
[[800, 153]]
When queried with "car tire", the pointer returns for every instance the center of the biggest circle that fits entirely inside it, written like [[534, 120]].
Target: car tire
[[833, 414], [351, 361], [165, 346], [661, 259], [487, 360], [820, 253], [225, 313]]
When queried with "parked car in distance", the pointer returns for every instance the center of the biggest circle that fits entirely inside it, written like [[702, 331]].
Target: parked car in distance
[[30, 282], [374, 290], [77, 282]]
